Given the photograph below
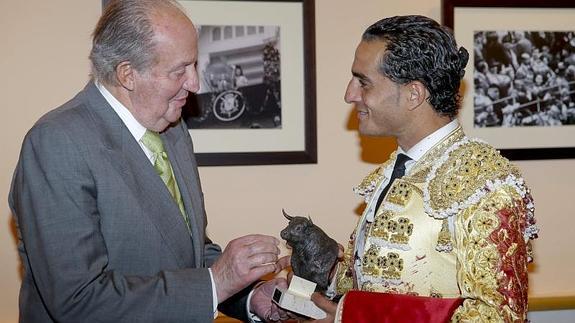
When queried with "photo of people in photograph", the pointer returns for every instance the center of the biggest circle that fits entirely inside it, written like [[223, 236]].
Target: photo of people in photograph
[[240, 79], [524, 78]]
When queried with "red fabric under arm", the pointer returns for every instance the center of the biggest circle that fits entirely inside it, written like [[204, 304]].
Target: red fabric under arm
[[371, 307]]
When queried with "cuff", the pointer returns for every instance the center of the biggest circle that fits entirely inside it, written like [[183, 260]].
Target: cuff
[[214, 294], [251, 316], [331, 289]]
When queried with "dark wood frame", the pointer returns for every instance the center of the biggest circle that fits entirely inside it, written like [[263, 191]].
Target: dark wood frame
[[448, 8], [309, 152]]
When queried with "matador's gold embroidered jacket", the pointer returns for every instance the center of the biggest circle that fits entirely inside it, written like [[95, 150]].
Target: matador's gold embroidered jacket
[[458, 224]]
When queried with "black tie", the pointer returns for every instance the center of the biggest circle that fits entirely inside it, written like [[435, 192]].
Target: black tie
[[398, 171]]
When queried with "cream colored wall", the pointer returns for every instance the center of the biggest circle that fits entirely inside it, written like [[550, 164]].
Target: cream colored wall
[[43, 61]]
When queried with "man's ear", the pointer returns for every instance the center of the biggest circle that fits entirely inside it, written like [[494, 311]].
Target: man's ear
[[417, 94], [125, 75]]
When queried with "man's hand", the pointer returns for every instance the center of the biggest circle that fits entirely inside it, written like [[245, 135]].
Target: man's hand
[[283, 263], [243, 261], [326, 305], [261, 302], [340, 251]]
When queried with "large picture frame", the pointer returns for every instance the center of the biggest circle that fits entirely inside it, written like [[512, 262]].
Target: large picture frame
[[269, 116], [519, 116]]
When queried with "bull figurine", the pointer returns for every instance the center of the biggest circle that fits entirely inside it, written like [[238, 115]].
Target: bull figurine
[[314, 253]]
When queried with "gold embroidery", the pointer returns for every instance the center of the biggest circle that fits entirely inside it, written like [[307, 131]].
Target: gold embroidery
[[484, 222], [493, 261], [368, 287], [391, 265], [402, 288], [372, 180], [475, 311], [345, 277], [420, 170], [369, 263], [444, 243], [399, 193], [466, 170], [403, 231], [395, 231], [380, 224]]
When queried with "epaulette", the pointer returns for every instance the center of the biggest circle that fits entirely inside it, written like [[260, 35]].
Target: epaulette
[[370, 182], [465, 173]]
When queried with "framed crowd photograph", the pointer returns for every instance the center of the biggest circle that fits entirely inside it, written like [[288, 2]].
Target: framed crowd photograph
[[256, 65], [519, 85]]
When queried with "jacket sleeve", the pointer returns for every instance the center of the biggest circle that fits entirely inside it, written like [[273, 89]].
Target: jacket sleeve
[[492, 246], [344, 275]]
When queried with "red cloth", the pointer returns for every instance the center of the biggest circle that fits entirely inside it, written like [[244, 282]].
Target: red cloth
[[371, 307]]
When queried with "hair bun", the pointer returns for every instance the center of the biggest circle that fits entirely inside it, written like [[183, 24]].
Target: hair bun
[[463, 56]]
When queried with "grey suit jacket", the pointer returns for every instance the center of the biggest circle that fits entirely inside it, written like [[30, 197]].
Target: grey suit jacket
[[100, 237]]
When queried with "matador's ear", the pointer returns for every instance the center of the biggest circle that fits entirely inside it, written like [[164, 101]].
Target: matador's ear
[[417, 94]]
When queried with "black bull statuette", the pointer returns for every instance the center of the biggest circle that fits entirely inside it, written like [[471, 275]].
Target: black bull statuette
[[314, 253]]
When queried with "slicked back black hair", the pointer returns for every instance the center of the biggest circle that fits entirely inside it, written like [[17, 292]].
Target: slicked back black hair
[[419, 49]]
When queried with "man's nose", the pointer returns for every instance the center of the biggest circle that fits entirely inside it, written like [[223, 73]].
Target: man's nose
[[192, 83], [352, 93]]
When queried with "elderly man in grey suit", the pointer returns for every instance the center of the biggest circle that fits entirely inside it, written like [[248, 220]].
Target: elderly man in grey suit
[[107, 198]]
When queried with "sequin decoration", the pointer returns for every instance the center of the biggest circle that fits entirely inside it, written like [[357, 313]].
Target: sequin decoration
[[388, 266], [369, 263], [465, 170], [380, 227], [399, 193], [391, 265], [396, 231]]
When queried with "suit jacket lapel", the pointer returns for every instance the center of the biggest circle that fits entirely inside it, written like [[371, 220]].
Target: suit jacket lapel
[[184, 165], [140, 176]]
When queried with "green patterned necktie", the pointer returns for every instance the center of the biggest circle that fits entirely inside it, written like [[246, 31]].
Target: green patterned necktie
[[153, 142]]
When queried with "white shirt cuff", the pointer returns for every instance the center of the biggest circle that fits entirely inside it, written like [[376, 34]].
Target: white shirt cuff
[[331, 291], [214, 294], [251, 316]]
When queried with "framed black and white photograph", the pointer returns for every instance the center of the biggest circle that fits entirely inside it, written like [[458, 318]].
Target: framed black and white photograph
[[240, 78], [256, 65], [519, 86]]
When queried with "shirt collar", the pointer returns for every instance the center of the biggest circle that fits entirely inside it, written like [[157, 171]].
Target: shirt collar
[[135, 128], [424, 145]]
